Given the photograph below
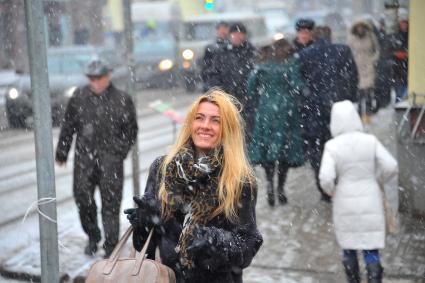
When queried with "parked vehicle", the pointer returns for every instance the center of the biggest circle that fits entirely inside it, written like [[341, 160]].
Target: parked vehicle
[[7, 79], [66, 74], [195, 32], [155, 43], [275, 15]]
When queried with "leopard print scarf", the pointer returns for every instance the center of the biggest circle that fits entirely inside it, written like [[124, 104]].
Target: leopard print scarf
[[191, 184]]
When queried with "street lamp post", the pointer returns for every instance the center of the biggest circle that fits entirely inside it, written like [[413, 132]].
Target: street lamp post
[[49, 253], [131, 87]]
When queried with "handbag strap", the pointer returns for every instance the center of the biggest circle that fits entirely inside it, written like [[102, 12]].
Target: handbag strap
[[117, 251], [142, 255]]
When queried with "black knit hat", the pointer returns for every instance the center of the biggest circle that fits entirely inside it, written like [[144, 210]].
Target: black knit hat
[[304, 23], [237, 27]]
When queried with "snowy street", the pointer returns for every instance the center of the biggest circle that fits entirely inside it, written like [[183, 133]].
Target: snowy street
[[299, 241]]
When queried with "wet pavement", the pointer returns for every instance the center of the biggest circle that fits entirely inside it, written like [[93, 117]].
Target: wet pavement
[[299, 241]]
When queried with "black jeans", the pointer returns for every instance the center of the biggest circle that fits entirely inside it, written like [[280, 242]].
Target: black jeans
[[107, 173]]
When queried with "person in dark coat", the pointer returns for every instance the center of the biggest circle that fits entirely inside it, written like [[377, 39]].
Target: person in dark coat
[[104, 120], [200, 198], [276, 84], [331, 75], [231, 67], [399, 52], [221, 41], [304, 38], [384, 67]]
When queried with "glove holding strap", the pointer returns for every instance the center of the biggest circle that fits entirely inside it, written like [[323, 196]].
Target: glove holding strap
[[143, 218]]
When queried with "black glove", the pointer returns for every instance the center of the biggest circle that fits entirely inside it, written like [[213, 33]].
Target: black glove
[[208, 247], [146, 215]]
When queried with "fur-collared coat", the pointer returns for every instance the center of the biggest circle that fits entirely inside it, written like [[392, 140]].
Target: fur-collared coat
[[366, 54]]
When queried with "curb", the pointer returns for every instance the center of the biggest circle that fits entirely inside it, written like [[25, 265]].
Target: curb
[[24, 276]]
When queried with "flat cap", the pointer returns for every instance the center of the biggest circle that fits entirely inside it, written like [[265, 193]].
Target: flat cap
[[97, 68], [304, 23]]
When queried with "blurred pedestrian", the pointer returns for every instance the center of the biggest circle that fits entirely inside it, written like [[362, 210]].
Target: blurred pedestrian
[[348, 173], [221, 41], [399, 50], [331, 75], [383, 81], [304, 38], [276, 84], [365, 48], [231, 67], [104, 121], [201, 197]]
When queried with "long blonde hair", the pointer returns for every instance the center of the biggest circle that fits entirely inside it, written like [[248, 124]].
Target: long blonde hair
[[236, 170]]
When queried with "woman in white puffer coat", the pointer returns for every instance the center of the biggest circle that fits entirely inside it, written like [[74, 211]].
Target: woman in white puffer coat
[[349, 173]]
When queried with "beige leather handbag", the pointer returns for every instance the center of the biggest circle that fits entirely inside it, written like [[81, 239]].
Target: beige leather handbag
[[135, 268]]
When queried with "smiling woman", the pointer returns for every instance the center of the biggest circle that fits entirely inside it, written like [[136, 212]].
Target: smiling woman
[[200, 198], [206, 127]]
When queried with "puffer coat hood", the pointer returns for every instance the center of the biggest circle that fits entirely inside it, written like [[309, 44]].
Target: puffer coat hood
[[344, 118]]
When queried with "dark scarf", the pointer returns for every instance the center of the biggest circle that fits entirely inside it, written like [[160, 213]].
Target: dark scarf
[[191, 184]]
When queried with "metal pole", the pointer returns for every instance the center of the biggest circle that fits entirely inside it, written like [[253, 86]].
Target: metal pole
[[43, 141], [174, 131], [131, 86]]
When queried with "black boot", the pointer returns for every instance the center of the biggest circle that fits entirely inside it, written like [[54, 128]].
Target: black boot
[[281, 196], [91, 247], [352, 271], [282, 172], [326, 198], [269, 170], [108, 251], [270, 193], [374, 272]]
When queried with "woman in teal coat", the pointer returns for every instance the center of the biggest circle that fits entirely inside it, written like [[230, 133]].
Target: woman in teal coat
[[275, 84]]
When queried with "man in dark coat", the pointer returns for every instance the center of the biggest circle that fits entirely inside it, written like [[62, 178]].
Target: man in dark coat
[[304, 38], [104, 121], [383, 68], [399, 53], [331, 75], [221, 41], [231, 67]]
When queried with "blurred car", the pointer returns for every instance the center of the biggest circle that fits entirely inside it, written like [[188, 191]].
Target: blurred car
[[7, 78], [195, 32], [275, 15], [66, 74], [155, 43]]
